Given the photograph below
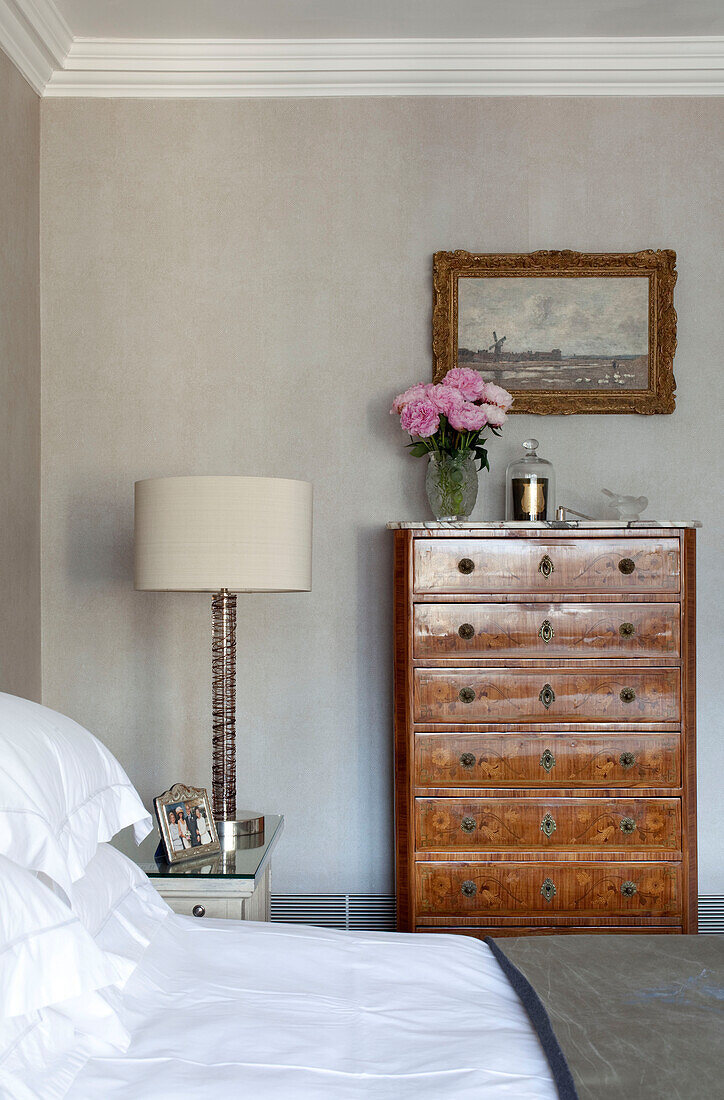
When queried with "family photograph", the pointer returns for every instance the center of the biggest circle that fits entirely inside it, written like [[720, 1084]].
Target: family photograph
[[187, 825]]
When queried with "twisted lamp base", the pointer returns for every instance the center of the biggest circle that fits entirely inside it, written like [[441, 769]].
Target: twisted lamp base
[[223, 705], [233, 832]]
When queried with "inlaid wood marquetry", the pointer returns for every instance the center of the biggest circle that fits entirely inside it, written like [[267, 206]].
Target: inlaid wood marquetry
[[520, 695], [547, 930], [582, 889], [615, 759], [545, 775], [494, 824], [543, 631], [568, 564]]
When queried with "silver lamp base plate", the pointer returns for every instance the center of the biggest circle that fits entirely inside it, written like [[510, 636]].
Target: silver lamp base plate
[[246, 831]]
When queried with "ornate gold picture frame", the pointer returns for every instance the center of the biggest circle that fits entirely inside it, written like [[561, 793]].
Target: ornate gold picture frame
[[564, 332], [186, 823]]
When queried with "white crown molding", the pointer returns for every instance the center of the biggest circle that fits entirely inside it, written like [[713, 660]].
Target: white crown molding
[[392, 67], [52, 29], [34, 35]]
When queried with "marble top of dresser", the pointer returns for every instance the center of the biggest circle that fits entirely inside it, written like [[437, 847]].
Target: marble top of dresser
[[542, 525]]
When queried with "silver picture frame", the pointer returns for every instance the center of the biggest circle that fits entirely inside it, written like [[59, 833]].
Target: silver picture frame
[[186, 824]]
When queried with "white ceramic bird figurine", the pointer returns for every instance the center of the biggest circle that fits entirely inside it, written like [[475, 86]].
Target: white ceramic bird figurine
[[626, 507]]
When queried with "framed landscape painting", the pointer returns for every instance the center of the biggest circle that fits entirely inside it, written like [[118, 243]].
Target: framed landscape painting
[[564, 332]]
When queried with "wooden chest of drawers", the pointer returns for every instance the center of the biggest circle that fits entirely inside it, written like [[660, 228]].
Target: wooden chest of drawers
[[545, 774]]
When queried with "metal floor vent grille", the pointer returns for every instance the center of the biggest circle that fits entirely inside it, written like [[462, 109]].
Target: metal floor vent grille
[[376, 912], [360, 912], [711, 913]]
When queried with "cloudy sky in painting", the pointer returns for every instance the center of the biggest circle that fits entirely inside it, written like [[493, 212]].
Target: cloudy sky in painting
[[581, 316]]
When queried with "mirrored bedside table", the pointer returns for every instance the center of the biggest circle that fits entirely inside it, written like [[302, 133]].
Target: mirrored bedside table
[[233, 884]]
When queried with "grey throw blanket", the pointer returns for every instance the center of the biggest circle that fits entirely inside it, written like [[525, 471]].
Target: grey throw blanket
[[639, 1017]]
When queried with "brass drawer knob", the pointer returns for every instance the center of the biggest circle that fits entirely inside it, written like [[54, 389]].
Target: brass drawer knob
[[627, 630], [626, 566], [548, 889], [467, 760], [468, 888], [199, 911], [627, 825], [547, 695], [546, 566], [547, 760], [548, 825], [466, 631], [466, 566], [466, 695], [546, 632], [627, 695], [627, 759], [468, 824], [628, 889]]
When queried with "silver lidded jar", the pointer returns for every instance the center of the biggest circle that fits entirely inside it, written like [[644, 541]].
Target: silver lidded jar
[[530, 486]]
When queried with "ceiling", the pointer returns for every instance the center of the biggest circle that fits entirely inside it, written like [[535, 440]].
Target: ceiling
[[390, 18]]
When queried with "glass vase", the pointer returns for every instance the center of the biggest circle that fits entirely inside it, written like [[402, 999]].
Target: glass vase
[[452, 484]]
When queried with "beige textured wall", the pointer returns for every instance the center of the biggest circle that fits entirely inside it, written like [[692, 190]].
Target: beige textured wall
[[19, 385], [240, 287]]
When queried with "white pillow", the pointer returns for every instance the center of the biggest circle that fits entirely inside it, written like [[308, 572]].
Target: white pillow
[[61, 792], [57, 990], [46, 955], [42, 1051], [116, 903]]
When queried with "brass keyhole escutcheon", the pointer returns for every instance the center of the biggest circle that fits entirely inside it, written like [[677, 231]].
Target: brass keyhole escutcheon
[[466, 565], [466, 631], [466, 695], [547, 695], [627, 630], [547, 760], [626, 566], [548, 825], [627, 759], [627, 825], [628, 889], [467, 760], [546, 566], [468, 824], [548, 889], [468, 888], [546, 632], [627, 695]]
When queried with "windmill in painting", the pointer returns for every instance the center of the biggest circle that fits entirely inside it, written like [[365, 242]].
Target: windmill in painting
[[585, 333]]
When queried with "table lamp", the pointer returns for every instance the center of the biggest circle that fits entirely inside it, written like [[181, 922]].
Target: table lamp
[[223, 535]]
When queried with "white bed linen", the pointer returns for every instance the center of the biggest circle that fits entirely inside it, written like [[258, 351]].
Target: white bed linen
[[280, 1012]]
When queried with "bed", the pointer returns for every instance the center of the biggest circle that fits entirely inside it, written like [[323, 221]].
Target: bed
[[105, 993], [278, 1012]]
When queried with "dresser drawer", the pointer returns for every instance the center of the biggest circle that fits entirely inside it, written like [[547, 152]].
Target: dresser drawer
[[563, 824], [555, 695], [545, 888], [542, 631], [542, 565], [547, 760]]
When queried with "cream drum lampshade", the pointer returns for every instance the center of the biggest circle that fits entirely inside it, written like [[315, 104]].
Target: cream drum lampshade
[[203, 534]]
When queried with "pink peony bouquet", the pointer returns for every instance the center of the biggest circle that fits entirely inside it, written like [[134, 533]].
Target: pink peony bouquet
[[452, 416]]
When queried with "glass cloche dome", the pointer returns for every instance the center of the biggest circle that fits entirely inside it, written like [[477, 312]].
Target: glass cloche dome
[[530, 486]]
